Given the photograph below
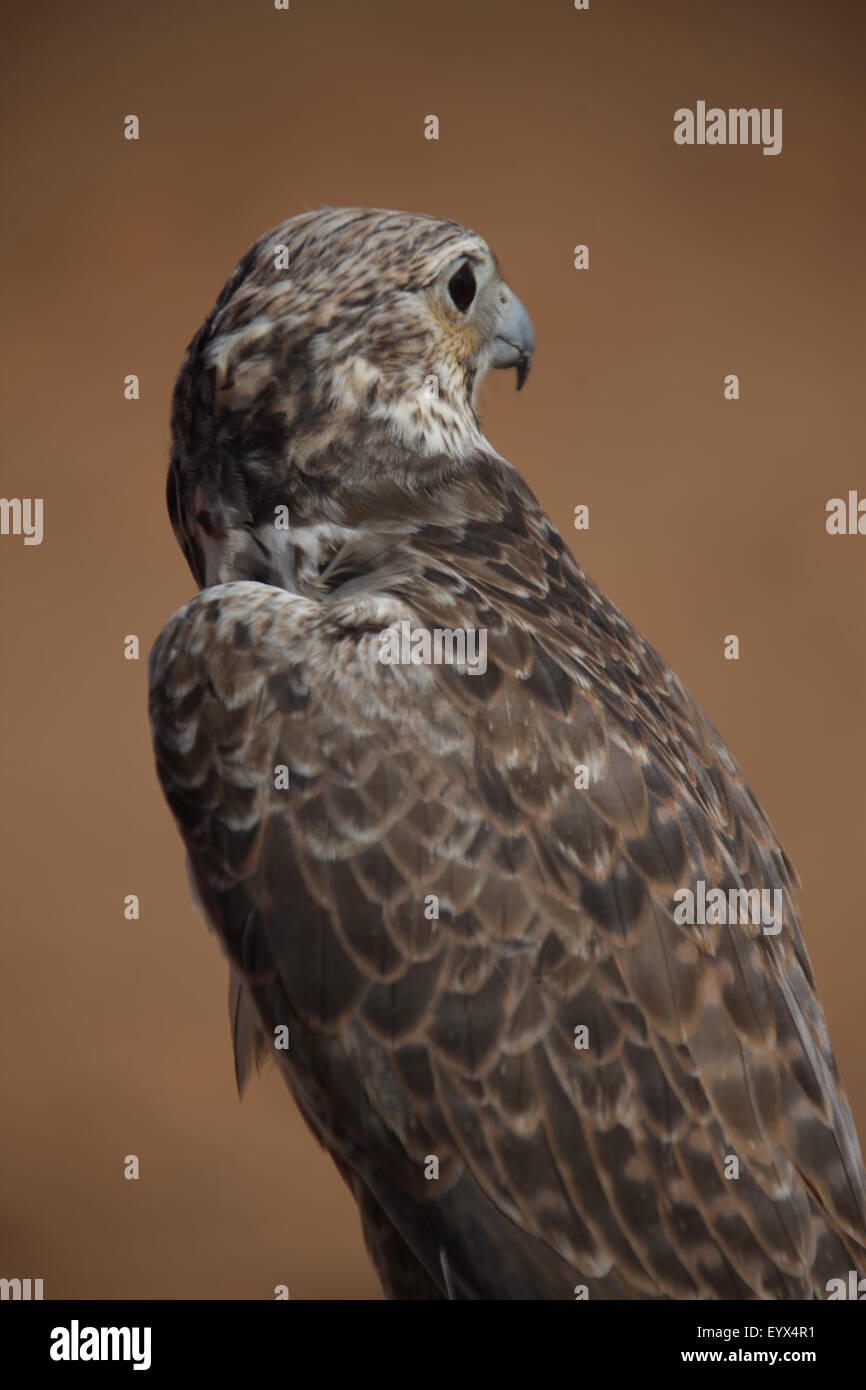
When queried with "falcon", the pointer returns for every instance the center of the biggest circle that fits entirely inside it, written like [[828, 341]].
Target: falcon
[[451, 898]]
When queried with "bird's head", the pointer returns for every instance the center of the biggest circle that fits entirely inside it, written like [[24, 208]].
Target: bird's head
[[347, 340]]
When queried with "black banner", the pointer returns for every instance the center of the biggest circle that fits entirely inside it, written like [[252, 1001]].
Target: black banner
[[252, 1338]]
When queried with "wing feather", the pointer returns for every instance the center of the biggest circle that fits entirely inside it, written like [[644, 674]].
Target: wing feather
[[433, 907]]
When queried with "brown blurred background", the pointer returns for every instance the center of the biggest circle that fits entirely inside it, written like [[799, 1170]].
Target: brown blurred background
[[707, 517]]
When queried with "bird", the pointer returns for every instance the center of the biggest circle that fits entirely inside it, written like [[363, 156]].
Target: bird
[[450, 894]]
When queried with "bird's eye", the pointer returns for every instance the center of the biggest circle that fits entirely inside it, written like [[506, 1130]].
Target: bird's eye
[[461, 287]]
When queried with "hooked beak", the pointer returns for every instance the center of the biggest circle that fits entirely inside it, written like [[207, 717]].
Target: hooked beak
[[514, 343]]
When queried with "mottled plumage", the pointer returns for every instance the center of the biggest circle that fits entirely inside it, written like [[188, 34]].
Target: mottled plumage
[[413, 1037]]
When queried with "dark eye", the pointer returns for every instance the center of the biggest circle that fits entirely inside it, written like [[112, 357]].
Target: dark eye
[[461, 287]]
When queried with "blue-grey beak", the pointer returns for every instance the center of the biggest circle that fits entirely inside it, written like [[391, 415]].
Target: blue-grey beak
[[514, 343]]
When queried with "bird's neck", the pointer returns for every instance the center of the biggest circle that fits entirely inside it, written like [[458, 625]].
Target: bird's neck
[[335, 521]]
